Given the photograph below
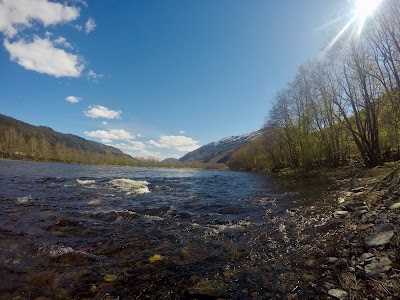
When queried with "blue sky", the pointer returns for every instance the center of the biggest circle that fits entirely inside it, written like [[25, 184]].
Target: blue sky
[[154, 78]]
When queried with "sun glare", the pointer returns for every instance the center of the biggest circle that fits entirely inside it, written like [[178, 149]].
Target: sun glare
[[365, 8], [362, 9]]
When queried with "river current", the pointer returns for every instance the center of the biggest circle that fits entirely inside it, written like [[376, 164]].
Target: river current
[[91, 232]]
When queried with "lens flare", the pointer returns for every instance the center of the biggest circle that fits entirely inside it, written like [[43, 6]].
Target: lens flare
[[363, 9]]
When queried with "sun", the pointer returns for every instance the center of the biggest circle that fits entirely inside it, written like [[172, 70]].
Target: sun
[[363, 9]]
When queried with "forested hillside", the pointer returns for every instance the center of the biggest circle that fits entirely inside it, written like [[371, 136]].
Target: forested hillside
[[24, 141], [339, 108], [19, 140]]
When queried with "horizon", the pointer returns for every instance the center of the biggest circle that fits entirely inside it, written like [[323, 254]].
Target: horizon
[[155, 80]]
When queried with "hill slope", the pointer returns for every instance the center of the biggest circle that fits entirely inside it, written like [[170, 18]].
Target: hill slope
[[220, 151], [23, 137]]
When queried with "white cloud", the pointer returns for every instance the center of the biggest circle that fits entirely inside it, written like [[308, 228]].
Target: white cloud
[[156, 144], [106, 141], [18, 14], [62, 41], [140, 135], [104, 123], [179, 143], [41, 56], [90, 25], [111, 134], [73, 99], [98, 111], [137, 149], [93, 76], [182, 132]]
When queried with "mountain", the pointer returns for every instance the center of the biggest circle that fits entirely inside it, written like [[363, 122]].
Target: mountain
[[23, 137], [220, 152]]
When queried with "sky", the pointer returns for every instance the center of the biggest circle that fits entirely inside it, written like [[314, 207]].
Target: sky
[[155, 78]]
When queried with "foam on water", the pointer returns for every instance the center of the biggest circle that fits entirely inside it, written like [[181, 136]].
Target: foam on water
[[214, 230], [130, 186], [54, 250], [153, 218], [85, 182], [23, 200]]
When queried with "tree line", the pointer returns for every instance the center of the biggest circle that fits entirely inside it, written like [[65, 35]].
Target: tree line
[[342, 107], [18, 143]]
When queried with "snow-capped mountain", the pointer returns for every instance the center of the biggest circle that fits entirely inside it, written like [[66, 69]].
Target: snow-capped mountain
[[220, 151]]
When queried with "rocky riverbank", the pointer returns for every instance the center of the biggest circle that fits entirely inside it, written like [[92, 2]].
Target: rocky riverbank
[[361, 258]]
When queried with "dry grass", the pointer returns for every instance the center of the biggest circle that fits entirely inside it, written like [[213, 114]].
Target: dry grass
[[385, 288]]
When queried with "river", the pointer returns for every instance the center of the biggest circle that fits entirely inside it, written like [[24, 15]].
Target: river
[[94, 232]]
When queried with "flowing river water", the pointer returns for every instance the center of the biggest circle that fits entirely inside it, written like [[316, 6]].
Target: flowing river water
[[90, 232]]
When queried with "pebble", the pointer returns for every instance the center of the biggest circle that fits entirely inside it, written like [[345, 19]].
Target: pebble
[[380, 239], [395, 206], [354, 205], [360, 213], [365, 256], [341, 214], [338, 294], [357, 190], [332, 259]]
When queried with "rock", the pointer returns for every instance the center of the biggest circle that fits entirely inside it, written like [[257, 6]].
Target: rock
[[385, 261], [358, 195], [378, 228], [338, 294], [360, 213], [363, 227], [395, 206], [363, 208], [354, 205], [359, 189], [341, 214], [328, 285], [382, 218], [380, 239], [332, 259], [308, 277], [365, 256], [375, 269], [341, 263], [206, 288]]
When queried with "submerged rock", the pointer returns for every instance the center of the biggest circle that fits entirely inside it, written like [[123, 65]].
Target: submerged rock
[[380, 239]]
